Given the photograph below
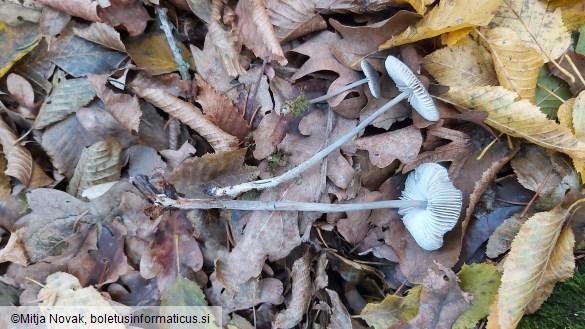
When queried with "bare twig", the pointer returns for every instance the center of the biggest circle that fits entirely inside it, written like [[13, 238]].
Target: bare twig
[[165, 25]]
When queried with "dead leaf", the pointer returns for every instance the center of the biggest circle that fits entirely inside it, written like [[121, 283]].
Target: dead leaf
[[102, 34], [99, 163], [301, 294], [14, 250], [466, 63], [78, 8], [14, 13], [256, 31], [17, 42], [176, 157], [104, 126], [529, 273], [517, 65], [441, 301], [579, 61], [123, 107], [405, 145], [544, 31], [501, 240], [128, 14], [53, 21], [163, 260], [22, 92], [143, 160], [447, 16], [190, 115], [392, 309], [355, 227], [294, 19], [201, 8], [20, 162], [269, 134], [221, 111], [340, 318], [36, 68], [572, 12]]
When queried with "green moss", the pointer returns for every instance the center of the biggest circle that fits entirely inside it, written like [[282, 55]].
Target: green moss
[[276, 160], [565, 308], [297, 106]]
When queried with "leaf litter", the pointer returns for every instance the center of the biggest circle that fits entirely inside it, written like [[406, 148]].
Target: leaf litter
[[97, 125]]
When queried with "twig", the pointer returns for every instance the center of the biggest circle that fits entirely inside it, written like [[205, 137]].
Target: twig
[[165, 25]]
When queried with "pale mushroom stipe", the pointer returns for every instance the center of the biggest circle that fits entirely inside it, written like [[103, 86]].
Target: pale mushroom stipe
[[410, 88], [371, 78], [430, 205]]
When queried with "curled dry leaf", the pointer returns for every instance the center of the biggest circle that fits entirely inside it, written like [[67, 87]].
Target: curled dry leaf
[[20, 162], [402, 144], [517, 65], [190, 115], [123, 107], [544, 31], [447, 16], [301, 294], [14, 250], [127, 14], [176, 157], [530, 273], [293, 19], [269, 134], [98, 164], [222, 42], [102, 34], [256, 31]]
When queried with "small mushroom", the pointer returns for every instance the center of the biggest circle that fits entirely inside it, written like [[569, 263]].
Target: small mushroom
[[427, 225], [371, 78], [430, 205], [410, 88]]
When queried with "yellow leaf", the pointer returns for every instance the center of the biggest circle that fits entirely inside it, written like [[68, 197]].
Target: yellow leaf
[[467, 63], [541, 255], [446, 17], [565, 114], [16, 42], [517, 118], [517, 65], [573, 12], [451, 38], [541, 30], [579, 116], [572, 115]]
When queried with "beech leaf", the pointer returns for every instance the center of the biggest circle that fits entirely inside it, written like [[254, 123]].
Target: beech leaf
[[293, 19], [541, 255], [447, 16]]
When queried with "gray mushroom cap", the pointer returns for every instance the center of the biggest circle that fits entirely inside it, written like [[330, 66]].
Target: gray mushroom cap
[[430, 182], [373, 78], [406, 81]]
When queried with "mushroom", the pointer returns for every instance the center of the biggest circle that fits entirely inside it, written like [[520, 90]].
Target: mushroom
[[410, 88], [430, 205], [371, 78]]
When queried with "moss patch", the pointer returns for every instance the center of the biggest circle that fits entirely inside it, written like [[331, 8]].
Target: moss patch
[[565, 308]]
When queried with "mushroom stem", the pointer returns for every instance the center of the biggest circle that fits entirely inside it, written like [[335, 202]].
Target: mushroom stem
[[187, 204], [291, 174], [339, 91]]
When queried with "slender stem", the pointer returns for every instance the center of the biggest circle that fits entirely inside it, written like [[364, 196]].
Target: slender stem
[[183, 66], [186, 204], [339, 91], [291, 174]]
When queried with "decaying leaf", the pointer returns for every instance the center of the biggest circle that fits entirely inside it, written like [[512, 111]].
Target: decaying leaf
[[542, 30], [99, 163], [468, 63], [392, 309], [190, 115], [256, 31], [66, 98], [123, 107], [78, 8], [517, 65], [176, 157], [529, 272], [102, 34], [293, 19], [269, 134], [405, 145], [301, 294], [447, 16], [501, 240], [340, 318], [184, 292], [129, 15], [14, 250], [17, 42], [517, 118]]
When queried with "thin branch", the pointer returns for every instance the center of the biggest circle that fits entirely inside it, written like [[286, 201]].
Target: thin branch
[[165, 25]]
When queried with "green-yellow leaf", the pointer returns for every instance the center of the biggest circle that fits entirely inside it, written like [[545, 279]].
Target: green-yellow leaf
[[517, 118], [16, 42], [392, 309], [467, 63], [483, 280], [184, 292], [541, 255], [550, 92], [100, 163], [541, 30], [517, 65], [447, 16]]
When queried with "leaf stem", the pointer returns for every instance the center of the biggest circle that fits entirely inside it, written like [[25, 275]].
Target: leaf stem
[[339, 91]]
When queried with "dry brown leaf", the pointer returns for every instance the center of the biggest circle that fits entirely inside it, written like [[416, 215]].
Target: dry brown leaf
[[256, 31], [100, 163], [517, 65], [14, 250], [127, 14], [53, 21], [103, 125], [190, 115], [578, 60], [518, 119], [269, 134], [466, 63], [176, 157], [301, 294], [321, 58], [351, 6], [501, 240], [355, 227], [20, 162], [293, 19], [530, 273], [201, 8], [21, 90], [78, 8], [541, 30], [221, 110], [441, 301], [340, 318], [102, 34], [123, 107], [402, 144], [143, 160], [447, 16]]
